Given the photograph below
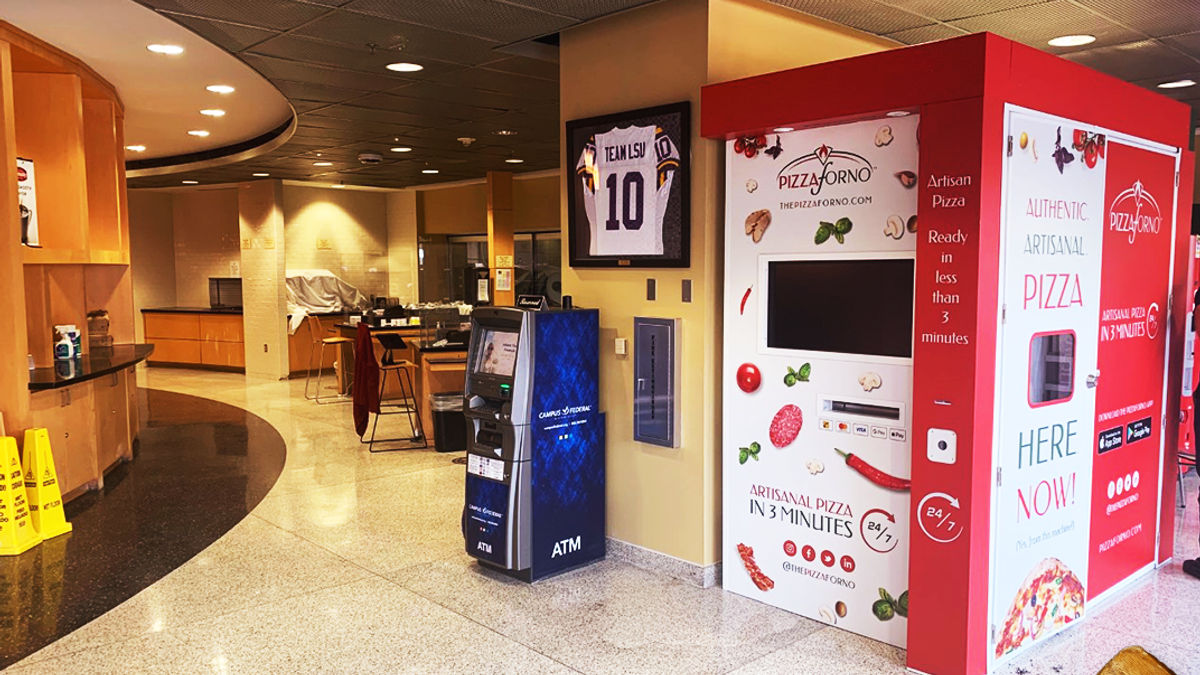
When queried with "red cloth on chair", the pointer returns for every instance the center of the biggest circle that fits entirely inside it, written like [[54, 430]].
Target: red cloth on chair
[[366, 379]]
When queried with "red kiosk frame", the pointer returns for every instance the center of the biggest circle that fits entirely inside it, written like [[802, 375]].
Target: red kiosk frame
[[971, 95]]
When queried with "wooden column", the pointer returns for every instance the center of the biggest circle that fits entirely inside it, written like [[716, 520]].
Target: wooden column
[[14, 342], [500, 232]]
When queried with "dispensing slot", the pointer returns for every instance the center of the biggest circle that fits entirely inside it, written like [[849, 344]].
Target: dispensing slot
[[875, 410]]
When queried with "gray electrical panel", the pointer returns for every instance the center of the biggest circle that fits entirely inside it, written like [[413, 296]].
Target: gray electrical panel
[[656, 381]]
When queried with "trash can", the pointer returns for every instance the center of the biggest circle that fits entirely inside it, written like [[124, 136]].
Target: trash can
[[449, 423]]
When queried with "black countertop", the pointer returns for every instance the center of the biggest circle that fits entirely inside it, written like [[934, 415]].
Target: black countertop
[[191, 310], [222, 310], [96, 363]]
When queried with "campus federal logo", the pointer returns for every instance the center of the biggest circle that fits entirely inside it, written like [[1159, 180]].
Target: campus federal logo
[[825, 166]]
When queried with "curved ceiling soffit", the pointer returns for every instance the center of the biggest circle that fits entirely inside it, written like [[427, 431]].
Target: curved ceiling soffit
[[163, 94]]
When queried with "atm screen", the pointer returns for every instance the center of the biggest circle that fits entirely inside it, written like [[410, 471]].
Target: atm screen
[[846, 306], [497, 353]]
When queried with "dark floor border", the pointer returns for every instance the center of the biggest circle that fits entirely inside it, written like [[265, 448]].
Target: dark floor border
[[199, 468]]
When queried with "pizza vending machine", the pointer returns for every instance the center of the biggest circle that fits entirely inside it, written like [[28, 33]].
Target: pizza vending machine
[[954, 318]]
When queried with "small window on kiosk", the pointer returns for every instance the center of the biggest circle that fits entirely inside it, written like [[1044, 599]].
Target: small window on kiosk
[[1051, 368]]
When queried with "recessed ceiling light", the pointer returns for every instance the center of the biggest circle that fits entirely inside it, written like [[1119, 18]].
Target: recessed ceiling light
[[198, 132], [190, 182], [899, 113], [338, 185], [1177, 84], [1071, 40], [402, 148], [514, 160], [136, 148], [260, 174], [429, 171], [213, 112], [504, 132], [220, 88], [405, 67], [322, 163], [784, 130], [170, 50]]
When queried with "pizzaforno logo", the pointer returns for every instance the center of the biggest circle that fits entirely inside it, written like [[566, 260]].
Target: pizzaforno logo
[[1135, 211], [825, 166]]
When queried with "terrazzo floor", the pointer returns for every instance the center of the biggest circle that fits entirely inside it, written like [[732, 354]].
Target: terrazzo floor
[[354, 562]]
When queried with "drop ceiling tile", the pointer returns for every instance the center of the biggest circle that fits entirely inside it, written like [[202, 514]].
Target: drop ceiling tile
[[229, 36], [409, 40], [1134, 60], [274, 68], [916, 36], [873, 17], [316, 92], [581, 9], [433, 91], [380, 119], [301, 105], [335, 117], [1036, 24], [519, 65], [420, 106], [360, 58], [488, 19], [945, 10], [1189, 43], [1152, 17], [503, 83], [270, 14]]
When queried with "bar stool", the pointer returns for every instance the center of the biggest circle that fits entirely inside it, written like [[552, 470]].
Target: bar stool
[[314, 327], [1186, 461], [403, 370]]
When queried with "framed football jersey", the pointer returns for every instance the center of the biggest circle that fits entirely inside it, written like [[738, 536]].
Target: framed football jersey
[[628, 202]]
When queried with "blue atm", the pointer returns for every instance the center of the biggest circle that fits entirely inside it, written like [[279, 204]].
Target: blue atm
[[535, 457]]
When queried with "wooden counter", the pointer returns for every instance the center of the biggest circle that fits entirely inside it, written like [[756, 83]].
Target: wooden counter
[[213, 338], [90, 408]]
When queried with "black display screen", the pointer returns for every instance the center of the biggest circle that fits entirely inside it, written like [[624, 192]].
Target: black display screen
[[846, 306]]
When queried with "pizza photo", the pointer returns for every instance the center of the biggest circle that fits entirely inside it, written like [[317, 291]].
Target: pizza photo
[[1049, 598]]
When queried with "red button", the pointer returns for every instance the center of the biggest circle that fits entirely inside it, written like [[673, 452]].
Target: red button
[[827, 558], [789, 547], [847, 563], [808, 553]]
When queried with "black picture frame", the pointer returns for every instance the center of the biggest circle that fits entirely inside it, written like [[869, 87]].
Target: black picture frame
[[674, 120]]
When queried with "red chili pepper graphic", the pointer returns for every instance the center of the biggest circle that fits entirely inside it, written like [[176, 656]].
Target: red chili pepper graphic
[[745, 297], [875, 475]]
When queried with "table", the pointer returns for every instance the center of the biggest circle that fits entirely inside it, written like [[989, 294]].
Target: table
[[438, 369]]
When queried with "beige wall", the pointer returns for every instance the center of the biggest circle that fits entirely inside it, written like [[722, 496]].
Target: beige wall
[[264, 299], [668, 500], [403, 274], [340, 230], [151, 253], [206, 241]]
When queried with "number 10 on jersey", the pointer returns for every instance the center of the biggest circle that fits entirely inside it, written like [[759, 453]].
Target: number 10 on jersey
[[629, 189]]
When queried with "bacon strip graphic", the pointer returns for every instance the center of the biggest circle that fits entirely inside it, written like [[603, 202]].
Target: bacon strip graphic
[[761, 580]]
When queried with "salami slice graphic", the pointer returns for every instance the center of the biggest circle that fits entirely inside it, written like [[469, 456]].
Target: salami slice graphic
[[786, 426]]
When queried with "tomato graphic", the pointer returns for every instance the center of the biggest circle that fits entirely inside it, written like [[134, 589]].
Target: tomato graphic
[[748, 377]]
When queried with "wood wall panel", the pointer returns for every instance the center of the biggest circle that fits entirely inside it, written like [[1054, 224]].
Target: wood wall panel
[[49, 130]]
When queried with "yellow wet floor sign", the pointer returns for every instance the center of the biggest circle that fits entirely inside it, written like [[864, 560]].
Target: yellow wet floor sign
[[17, 533], [41, 485]]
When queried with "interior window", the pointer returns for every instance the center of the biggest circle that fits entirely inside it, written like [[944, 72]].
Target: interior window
[[1051, 368]]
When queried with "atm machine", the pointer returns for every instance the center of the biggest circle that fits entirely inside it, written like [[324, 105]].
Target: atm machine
[[535, 459]]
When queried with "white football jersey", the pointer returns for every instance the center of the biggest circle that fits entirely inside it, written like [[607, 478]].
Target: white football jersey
[[627, 175]]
